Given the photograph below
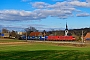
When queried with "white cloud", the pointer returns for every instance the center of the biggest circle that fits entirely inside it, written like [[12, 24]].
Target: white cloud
[[39, 5], [61, 7], [88, 1], [83, 15], [66, 3], [61, 10], [15, 15], [78, 3]]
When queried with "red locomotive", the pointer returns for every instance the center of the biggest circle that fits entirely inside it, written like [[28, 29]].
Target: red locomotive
[[61, 38]]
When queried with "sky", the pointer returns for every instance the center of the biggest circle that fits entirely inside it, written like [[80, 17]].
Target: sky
[[44, 14]]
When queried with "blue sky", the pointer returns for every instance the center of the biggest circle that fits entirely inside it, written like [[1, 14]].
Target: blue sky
[[44, 14]]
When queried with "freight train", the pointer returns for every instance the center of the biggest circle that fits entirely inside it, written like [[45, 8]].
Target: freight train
[[49, 38]]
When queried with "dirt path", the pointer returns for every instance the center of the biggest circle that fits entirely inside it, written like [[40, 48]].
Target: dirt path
[[13, 42]]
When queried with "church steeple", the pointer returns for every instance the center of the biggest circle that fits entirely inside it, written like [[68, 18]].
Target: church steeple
[[66, 26], [66, 30]]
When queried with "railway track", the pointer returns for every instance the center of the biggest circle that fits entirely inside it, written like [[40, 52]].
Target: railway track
[[72, 42]]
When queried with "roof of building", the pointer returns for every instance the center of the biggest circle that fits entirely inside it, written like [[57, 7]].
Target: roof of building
[[35, 33], [87, 35]]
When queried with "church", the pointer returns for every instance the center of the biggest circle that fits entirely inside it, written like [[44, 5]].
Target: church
[[66, 31]]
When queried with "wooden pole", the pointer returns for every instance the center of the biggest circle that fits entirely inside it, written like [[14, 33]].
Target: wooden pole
[[26, 36], [82, 37], [44, 36]]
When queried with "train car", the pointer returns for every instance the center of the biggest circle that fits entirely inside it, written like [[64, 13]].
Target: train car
[[43, 38], [33, 38], [22, 37], [61, 38]]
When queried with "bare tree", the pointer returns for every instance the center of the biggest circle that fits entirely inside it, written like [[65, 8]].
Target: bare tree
[[30, 29], [44, 32], [13, 33]]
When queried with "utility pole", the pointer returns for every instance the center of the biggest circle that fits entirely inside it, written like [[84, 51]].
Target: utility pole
[[82, 37], [55, 33], [26, 36], [44, 36]]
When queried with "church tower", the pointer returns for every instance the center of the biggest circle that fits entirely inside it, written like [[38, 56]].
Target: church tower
[[66, 30]]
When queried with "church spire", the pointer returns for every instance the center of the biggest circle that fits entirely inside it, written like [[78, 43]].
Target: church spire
[[66, 26], [66, 30]]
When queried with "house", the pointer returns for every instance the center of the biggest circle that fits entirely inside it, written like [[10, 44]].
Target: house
[[21, 33], [87, 37], [36, 34], [6, 35]]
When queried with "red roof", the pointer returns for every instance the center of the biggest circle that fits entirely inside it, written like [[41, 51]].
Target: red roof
[[87, 35], [34, 33]]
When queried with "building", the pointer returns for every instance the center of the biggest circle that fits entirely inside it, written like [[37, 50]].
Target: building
[[6, 35], [21, 33], [66, 30], [36, 34], [87, 37]]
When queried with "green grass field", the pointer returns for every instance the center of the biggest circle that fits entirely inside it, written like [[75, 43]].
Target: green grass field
[[41, 51]]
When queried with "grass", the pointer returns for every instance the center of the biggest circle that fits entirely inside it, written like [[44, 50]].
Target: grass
[[43, 51], [45, 55]]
